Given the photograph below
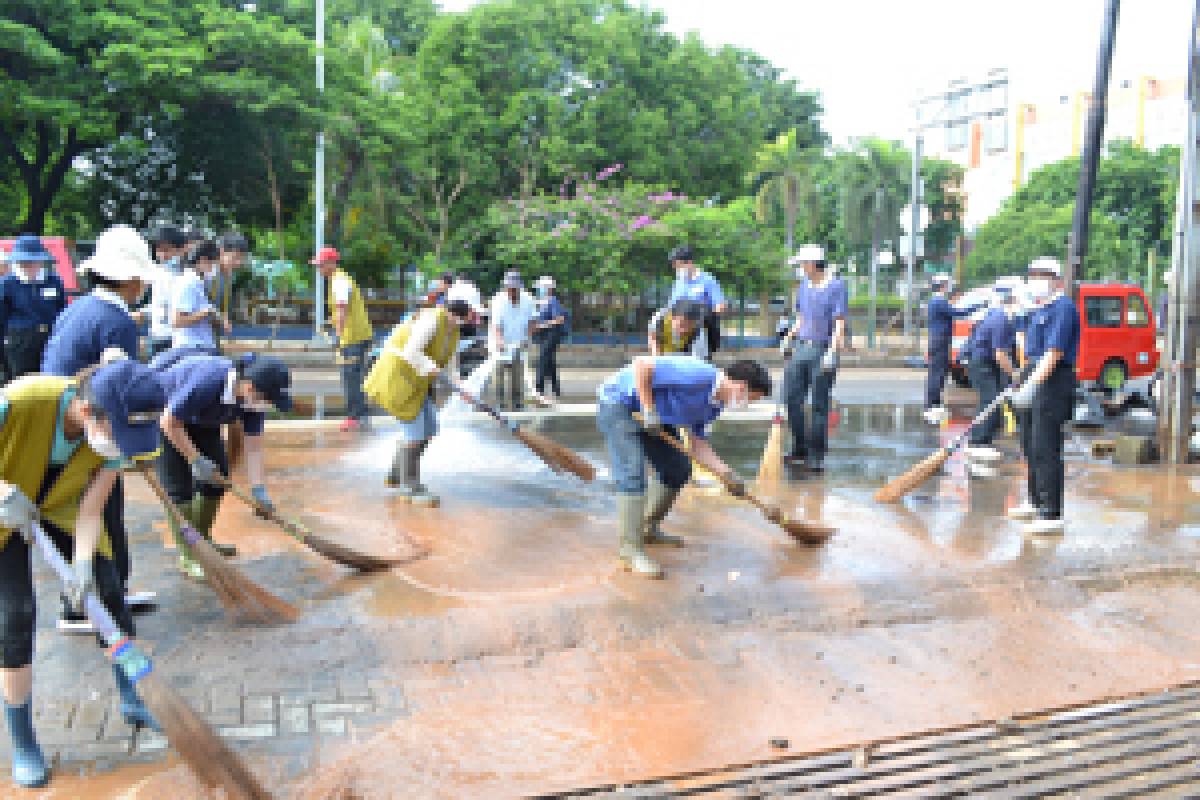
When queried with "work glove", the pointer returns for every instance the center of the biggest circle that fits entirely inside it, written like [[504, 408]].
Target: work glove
[[785, 347], [1023, 398], [259, 492], [205, 470], [82, 583], [774, 514], [829, 361], [652, 422], [17, 511], [735, 485]]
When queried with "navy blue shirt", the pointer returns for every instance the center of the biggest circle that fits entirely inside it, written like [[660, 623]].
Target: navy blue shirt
[[682, 387], [199, 392], [549, 309], [818, 307], [942, 316], [994, 332], [86, 329], [1054, 326], [28, 306]]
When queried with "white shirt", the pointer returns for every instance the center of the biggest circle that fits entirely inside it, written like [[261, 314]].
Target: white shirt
[[512, 320], [342, 289], [424, 326], [161, 290], [188, 297]]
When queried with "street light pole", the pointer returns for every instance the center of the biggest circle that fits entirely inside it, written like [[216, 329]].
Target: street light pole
[[319, 179]]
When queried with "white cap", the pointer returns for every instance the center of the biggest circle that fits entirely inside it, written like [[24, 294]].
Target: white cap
[[1046, 264], [546, 281], [467, 292], [808, 253], [121, 255], [941, 279]]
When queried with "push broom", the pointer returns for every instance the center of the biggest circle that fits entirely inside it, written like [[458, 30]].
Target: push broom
[[555, 455], [214, 764], [770, 469], [929, 466], [242, 597], [363, 562]]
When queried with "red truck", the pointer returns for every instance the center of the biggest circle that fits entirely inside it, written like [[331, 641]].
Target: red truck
[[1117, 337]]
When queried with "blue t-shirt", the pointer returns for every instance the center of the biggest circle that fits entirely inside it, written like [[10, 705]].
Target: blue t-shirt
[[549, 309], [818, 307], [27, 306], [196, 394], [942, 316], [701, 287], [994, 332], [683, 391], [86, 329], [1054, 326]]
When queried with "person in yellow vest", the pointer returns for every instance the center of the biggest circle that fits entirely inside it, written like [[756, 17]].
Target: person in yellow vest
[[401, 382], [353, 331], [679, 330], [63, 442]]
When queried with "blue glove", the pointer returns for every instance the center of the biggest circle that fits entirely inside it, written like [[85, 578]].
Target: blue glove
[[260, 495]]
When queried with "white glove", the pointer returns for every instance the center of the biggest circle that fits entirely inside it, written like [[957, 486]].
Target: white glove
[[17, 512], [651, 421], [1023, 398], [82, 583], [829, 361], [785, 347]]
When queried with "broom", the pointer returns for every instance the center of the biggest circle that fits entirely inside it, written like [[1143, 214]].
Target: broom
[[929, 466], [770, 469], [235, 437], [556, 456], [242, 597], [214, 764], [364, 562], [800, 530]]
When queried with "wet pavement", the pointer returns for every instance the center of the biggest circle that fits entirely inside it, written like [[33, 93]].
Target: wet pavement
[[517, 658]]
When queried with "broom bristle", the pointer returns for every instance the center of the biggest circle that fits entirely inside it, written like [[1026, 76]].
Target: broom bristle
[[770, 469], [558, 457], [208, 756], [808, 532], [355, 559], [241, 596], [918, 474], [235, 435]]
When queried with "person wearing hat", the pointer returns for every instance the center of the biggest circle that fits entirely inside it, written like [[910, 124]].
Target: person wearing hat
[[512, 315], [353, 333], [991, 367], [679, 329], [549, 332], [1046, 397], [669, 393], [205, 392], [31, 298], [815, 339], [695, 284], [401, 382], [169, 246], [233, 249], [63, 442], [194, 315], [941, 331]]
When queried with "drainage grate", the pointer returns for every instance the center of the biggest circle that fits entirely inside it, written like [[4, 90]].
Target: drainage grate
[[1142, 746]]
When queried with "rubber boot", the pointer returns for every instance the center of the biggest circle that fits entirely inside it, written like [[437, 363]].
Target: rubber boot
[[632, 553], [133, 710], [397, 475], [418, 495], [204, 512], [28, 764], [659, 500], [187, 564]]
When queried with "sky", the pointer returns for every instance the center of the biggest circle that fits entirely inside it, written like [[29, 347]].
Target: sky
[[870, 59]]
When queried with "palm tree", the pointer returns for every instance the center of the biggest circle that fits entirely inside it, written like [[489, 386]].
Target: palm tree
[[783, 178]]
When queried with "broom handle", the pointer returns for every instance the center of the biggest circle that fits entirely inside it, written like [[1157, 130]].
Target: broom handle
[[290, 527], [957, 441], [96, 611], [190, 534], [478, 404]]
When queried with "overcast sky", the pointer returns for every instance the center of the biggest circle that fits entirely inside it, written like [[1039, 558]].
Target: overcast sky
[[871, 58]]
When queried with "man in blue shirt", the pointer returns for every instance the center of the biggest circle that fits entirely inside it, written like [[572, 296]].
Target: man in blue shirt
[[816, 338], [205, 392], [991, 366], [696, 284], [670, 392], [941, 332], [31, 298], [1046, 398], [549, 332]]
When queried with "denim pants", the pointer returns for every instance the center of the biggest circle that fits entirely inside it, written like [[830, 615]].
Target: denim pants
[[515, 372], [422, 427], [939, 368], [354, 367], [629, 448], [802, 376]]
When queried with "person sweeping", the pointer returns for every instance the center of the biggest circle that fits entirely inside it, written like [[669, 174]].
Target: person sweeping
[[401, 382], [669, 392], [62, 442], [203, 393]]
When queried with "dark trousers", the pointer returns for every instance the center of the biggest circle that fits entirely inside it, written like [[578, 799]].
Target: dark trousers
[[547, 363], [1042, 441], [514, 370], [805, 383], [176, 473], [986, 379], [354, 368], [23, 351], [939, 367], [155, 347]]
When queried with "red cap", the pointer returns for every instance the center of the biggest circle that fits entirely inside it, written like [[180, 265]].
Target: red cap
[[326, 254]]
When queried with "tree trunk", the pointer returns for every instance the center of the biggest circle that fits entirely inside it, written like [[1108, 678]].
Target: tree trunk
[[764, 314], [44, 174]]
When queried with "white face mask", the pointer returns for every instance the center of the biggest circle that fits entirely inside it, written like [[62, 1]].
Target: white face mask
[[1040, 288], [101, 443], [740, 400], [683, 273]]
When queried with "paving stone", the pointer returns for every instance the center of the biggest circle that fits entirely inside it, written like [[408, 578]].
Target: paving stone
[[353, 689], [329, 709], [151, 742], [331, 726], [306, 697], [258, 708], [294, 720], [260, 731]]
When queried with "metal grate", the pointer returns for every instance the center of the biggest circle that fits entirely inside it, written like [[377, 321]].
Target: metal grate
[[1142, 746]]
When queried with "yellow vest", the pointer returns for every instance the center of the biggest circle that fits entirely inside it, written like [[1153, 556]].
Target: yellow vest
[[25, 443], [357, 327], [393, 384], [668, 342]]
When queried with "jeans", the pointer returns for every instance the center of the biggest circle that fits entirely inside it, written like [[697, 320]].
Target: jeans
[[1042, 440], [629, 447], [986, 380], [515, 370], [802, 376], [354, 367], [547, 363], [939, 367], [422, 427]]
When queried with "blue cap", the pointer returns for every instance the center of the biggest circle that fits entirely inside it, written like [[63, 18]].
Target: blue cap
[[28, 247], [132, 400]]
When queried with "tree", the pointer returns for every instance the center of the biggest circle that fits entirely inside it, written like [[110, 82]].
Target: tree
[[783, 173], [874, 179]]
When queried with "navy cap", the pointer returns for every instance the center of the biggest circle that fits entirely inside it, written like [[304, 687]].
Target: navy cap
[[28, 247], [681, 253], [270, 376], [132, 400]]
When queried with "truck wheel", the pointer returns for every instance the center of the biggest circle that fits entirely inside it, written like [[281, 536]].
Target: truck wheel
[[1113, 375]]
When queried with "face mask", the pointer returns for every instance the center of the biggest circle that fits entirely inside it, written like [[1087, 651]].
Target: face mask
[[1040, 287], [543, 292], [683, 273], [101, 443], [741, 400]]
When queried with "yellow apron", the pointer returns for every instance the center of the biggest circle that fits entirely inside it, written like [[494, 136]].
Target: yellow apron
[[393, 384]]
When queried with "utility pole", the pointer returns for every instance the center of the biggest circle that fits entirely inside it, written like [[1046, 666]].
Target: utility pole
[[1094, 139], [875, 237], [319, 179], [916, 194], [1183, 317]]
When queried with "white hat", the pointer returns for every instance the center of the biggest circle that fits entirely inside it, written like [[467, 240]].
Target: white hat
[[121, 255], [941, 279], [546, 281], [1046, 264], [467, 292], [512, 280], [807, 253]]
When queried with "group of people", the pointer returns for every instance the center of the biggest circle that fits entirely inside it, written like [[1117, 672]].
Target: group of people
[[90, 411]]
